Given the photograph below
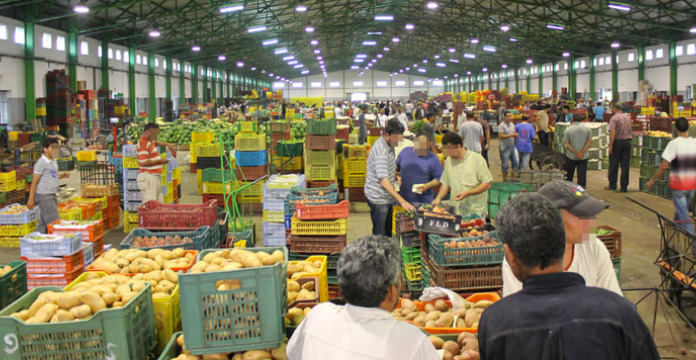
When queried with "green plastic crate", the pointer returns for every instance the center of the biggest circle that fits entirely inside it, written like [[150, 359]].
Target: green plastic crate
[[445, 256], [172, 350], [410, 255], [321, 127], [247, 318], [617, 268], [320, 157], [289, 148], [215, 175], [14, 283], [3, 197], [501, 192], [122, 333]]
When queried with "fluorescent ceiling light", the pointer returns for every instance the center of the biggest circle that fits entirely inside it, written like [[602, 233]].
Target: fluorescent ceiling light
[[615, 45], [566, 54], [154, 33], [409, 27], [401, 70], [422, 70], [280, 51], [374, 33], [619, 6], [369, 43], [314, 42], [474, 41], [451, 50], [374, 60], [456, 75], [431, 5], [317, 51], [468, 72], [304, 72], [395, 39], [408, 69], [253, 68], [505, 28], [222, 57], [384, 17], [385, 48], [529, 61], [470, 56], [320, 58], [289, 57], [298, 66], [439, 64], [195, 48], [379, 56], [309, 29], [355, 67], [81, 8], [269, 42], [293, 62], [693, 30], [484, 69], [231, 8], [425, 61], [436, 56], [555, 27], [256, 29], [504, 66], [454, 61], [489, 48], [240, 64], [300, 8], [512, 39], [360, 56]]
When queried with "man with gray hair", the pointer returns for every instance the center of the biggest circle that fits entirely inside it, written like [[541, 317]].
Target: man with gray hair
[[369, 275], [555, 316]]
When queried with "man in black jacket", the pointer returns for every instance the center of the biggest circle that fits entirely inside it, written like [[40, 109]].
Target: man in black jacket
[[555, 316]]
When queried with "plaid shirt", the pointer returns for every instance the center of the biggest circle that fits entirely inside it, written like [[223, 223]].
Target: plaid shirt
[[621, 123]]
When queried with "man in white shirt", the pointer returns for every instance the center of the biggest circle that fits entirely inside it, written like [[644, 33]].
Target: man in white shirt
[[402, 118], [369, 275], [409, 110], [584, 253]]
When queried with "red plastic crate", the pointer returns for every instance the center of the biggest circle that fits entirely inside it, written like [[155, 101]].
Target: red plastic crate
[[154, 215], [320, 183], [89, 233], [320, 142], [193, 168], [113, 201], [322, 212], [317, 244], [334, 292], [54, 265], [217, 198], [251, 172], [356, 194], [343, 134], [98, 246], [60, 280], [375, 131], [278, 136]]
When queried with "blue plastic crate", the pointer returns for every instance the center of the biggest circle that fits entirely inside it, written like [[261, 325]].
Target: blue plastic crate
[[19, 219], [130, 151], [64, 245], [132, 185], [132, 196], [288, 222], [201, 239], [251, 158], [130, 174], [131, 206]]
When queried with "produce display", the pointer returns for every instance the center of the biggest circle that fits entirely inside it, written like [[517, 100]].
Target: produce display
[[179, 131], [15, 209], [133, 261], [298, 130], [465, 348], [485, 241], [154, 241], [297, 292], [235, 259], [84, 300], [303, 268], [472, 224], [295, 316], [440, 314], [6, 269], [268, 354], [658, 134], [438, 209]]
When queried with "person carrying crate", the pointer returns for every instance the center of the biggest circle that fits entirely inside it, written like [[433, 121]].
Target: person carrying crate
[[44, 185], [150, 164]]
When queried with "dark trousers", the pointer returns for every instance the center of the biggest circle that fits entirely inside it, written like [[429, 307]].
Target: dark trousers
[[544, 138], [381, 215], [581, 165], [484, 153], [620, 156]]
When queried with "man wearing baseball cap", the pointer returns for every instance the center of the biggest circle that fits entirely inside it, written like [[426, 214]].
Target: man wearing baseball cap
[[584, 253]]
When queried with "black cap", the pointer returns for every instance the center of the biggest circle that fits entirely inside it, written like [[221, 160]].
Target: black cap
[[572, 198]]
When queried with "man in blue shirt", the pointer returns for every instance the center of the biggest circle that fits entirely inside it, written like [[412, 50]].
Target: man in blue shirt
[[523, 142], [599, 112], [418, 166]]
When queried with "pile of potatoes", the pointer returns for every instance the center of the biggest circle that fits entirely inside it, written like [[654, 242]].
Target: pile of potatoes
[[235, 259], [297, 292], [83, 301], [440, 314], [134, 261], [295, 316], [299, 269], [6, 269], [271, 354], [465, 348]]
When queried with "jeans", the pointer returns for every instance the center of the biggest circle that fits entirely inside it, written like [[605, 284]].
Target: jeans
[[682, 199], [509, 154], [484, 153], [381, 215], [362, 136], [620, 156], [581, 165], [544, 138], [524, 159]]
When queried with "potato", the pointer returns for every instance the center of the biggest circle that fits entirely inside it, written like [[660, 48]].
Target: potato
[[308, 285], [441, 305], [436, 341], [482, 304], [446, 355], [127, 297], [81, 311], [465, 335], [249, 259], [44, 314], [470, 355], [94, 301], [408, 304], [67, 299], [293, 286], [412, 316], [176, 253], [109, 298], [209, 258], [471, 317], [460, 323], [36, 305], [470, 344], [237, 356], [280, 353], [256, 355], [430, 324], [433, 315], [429, 307], [215, 357], [171, 276], [292, 296], [451, 346], [62, 315], [22, 315]]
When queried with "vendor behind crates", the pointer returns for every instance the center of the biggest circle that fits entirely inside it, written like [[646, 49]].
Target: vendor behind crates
[[369, 275], [150, 164], [44, 185]]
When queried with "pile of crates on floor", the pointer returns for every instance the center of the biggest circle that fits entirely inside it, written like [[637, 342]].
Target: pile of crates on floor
[[110, 202], [54, 260], [354, 171], [276, 223], [16, 221], [320, 153], [636, 150], [8, 186], [611, 237], [198, 138], [251, 160], [650, 160], [598, 153], [405, 234]]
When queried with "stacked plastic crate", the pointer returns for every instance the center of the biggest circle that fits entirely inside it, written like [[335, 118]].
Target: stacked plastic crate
[[274, 218], [651, 158], [54, 260], [8, 184], [320, 153], [131, 191], [91, 234], [408, 238], [354, 171], [202, 141], [22, 187], [251, 161], [598, 153], [109, 197], [169, 190], [16, 221], [198, 138]]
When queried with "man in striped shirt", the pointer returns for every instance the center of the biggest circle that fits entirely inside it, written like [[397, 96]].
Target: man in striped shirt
[[381, 175], [150, 164], [619, 148]]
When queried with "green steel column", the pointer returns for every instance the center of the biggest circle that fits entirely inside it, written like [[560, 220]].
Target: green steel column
[[672, 66], [105, 65], [592, 77], [152, 96], [497, 82], [206, 99], [490, 81], [507, 80], [194, 82], [571, 77], [220, 95], [529, 79], [213, 91], [641, 63], [168, 79], [614, 77], [517, 80], [29, 80], [554, 77], [182, 85], [540, 70], [229, 85], [131, 77], [72, 56]]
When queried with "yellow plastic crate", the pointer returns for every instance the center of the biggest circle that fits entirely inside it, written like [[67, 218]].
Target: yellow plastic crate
[[18, 230], [240, 244], [207, 150], [9, 242], [130, 217], [200, 188], [104, 201], [321, 275], [274, 216], [86, 155], [70, 213], [10, 176], [371, 140], [127, 228], [355, 166], [249, 142], [8, 186], [438, 139], [320, 172], [14, 135], [413, 271], [253, 193], [353, 180], [130, 163], [177, 174], [319, 228], [169, 198], [215, 188], [294, 163], [199, 176], [170, 188], [21, 185], [202, 137]]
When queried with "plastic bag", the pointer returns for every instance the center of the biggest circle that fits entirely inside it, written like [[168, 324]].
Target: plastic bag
[[432, 293]]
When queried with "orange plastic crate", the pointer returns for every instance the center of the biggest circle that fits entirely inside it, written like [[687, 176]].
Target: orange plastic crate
[[60, 280], [90, 233], [322, 212], [177, 269], [54, 265], [420, 305]]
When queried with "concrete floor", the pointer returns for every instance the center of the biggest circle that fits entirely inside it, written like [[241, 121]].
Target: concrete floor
[[641, 244]]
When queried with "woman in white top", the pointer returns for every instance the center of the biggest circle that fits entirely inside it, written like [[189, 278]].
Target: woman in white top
[[382, 118], [584, 254]]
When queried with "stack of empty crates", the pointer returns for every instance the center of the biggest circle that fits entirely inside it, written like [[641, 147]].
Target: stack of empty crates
[[651, 158], [276, 224], [354, 171], [598, 153], [320, 153], [405, 234], [204, 155], [251, 160], [109, 198], [53, 260]]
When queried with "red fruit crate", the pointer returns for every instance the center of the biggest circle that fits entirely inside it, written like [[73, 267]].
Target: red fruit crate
[[375, 131], [98, 246], [217, 198], [60, 280], [277, 137], [322, 212], [343, 133], [251, 172], [320, 183], [317, 244], [54, 265], [334, 292], [356, 194], [320, 142], [154, 215], [90, 232], [193, 168]]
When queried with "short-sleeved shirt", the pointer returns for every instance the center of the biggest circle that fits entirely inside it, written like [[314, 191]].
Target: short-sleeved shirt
[[416, 170], [577, 135], [599, 113], [486, 128], [507, 129], [681, 153], [429, 130], [148, 151], [524, 141], [466, 174], [403, 120], [621, 124], [471, 133], [48, 169], [381, 163], [543, 120]]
